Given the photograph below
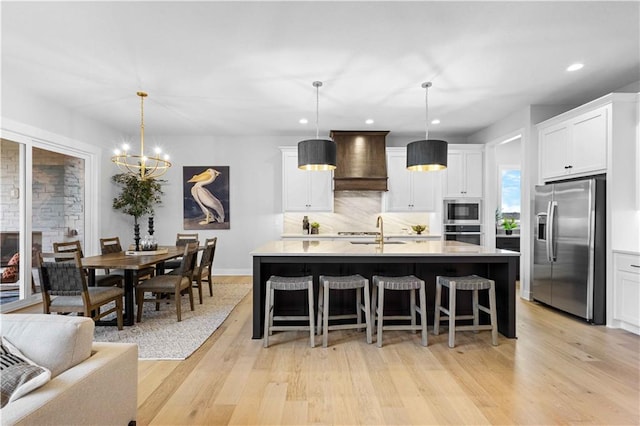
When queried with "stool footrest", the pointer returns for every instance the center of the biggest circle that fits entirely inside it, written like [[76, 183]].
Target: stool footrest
[[473, 327], [291, 318], [402, 327], [289, 327], [346, 326], [346, 316]]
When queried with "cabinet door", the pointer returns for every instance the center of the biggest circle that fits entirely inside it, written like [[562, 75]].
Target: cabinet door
[[455, 175], [626, 290], [304, 190], [554, 143], [320, 191], [589, 142], [426, 190], [628, 297], [398, 197], [473, 174]]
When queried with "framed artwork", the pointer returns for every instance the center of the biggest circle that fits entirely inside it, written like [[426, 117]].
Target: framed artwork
[[206, 197]]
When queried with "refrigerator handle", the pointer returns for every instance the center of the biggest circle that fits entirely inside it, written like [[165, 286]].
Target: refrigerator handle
[[551, 212]]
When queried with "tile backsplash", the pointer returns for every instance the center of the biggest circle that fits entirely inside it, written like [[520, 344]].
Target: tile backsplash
[[358, 211]]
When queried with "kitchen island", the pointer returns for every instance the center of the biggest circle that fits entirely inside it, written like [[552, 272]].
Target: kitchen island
[[425, 259]]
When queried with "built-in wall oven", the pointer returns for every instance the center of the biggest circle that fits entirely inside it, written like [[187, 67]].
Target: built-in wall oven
[[463, 221], [471, 234]]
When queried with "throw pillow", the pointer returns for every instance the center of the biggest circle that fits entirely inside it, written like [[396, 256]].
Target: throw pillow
[[10, 274], [19, 375]]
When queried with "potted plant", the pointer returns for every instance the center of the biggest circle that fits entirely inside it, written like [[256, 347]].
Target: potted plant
[[509, 225], [315, 227], [138, 197]]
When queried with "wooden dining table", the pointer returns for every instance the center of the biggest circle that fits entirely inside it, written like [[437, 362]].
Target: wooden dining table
[[130, 263]]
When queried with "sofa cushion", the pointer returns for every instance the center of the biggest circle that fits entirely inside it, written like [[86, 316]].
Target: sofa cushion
[[19, 375], [55, 342]]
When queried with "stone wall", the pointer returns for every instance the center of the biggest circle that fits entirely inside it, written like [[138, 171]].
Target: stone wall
[[57, 194]]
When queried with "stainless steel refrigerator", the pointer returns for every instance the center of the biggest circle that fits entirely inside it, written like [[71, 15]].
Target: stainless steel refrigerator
[[569, 247]]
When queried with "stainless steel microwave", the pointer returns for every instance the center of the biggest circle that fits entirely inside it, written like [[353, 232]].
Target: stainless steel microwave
[[462, 212]]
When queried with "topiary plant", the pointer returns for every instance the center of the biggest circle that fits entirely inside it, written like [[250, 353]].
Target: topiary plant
[[138, 197]]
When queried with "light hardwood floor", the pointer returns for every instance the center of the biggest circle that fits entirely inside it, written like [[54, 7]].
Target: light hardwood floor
[[559, 371]]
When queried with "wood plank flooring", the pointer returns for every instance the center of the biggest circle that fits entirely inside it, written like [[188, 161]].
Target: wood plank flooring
[[559, 371]]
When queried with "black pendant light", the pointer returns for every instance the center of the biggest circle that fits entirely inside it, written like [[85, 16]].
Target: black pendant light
[[317, 154], [428, 154]]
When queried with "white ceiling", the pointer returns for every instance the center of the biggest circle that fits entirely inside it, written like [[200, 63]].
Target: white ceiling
[[240, 68]]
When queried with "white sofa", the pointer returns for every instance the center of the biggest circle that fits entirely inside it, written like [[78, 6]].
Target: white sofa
[[92, 383]]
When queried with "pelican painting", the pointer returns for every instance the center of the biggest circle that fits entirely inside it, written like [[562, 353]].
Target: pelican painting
[[205, 185]]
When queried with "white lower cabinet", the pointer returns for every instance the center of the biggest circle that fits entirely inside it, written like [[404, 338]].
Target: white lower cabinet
[[626, 291]]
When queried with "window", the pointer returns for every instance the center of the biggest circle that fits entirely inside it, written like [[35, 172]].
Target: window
[[510, 193]]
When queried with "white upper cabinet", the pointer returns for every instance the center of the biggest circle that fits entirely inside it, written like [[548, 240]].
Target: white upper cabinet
[[576, 146], [410, 191], [464, 174], [304, 191]]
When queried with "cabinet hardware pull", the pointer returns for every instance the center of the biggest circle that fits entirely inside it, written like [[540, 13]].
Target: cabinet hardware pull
[[635, 266]]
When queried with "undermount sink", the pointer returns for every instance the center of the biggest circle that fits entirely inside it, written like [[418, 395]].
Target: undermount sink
[[373, 242]]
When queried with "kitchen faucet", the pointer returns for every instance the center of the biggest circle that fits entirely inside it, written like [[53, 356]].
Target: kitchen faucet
[[380, 235]]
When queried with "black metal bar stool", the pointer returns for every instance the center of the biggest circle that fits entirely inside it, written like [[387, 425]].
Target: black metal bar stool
[[349, 282], [472, 283], [287, 284], [407, 283]]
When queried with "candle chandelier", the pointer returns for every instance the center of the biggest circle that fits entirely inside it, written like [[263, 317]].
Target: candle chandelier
[[140, 165]]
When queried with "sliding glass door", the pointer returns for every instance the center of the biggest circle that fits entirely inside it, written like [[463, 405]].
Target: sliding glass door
[[42, 193]]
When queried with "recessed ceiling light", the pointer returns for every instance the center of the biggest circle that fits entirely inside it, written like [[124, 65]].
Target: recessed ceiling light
[[303, 121], [369, 121], [436, 121], [575, 67]]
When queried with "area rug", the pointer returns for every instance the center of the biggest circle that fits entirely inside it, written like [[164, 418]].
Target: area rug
[[161, 336]]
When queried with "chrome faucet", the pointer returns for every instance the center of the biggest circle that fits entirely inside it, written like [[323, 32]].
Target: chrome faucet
[[380, 235]]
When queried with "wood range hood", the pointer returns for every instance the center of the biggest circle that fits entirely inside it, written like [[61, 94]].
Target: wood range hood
[[361, 163]]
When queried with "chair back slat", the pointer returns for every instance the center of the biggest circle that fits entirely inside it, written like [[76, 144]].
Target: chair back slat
[[183, 239], [110, 245], [68, 247]]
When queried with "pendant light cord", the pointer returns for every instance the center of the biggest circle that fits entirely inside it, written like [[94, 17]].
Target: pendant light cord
[[317, 112], [317, 85], [426, 109]]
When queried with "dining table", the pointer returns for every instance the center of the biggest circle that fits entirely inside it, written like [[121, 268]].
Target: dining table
[[130, 262]]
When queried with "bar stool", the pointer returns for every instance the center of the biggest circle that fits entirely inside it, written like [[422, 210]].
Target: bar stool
[[349, 282], [410, 283], [472, 283], [287, 284]]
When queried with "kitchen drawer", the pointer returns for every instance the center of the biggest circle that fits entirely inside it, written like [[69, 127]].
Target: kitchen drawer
[[628, 263], [508, 243]]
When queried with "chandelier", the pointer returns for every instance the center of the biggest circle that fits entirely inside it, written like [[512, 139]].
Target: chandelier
[[142, 166]]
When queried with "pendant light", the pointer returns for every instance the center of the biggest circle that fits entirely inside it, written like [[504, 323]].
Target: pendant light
[[140, 165], [317, 154], [428, 154]]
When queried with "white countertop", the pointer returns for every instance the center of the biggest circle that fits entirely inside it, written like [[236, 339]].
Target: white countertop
[[346, 248], [343, 236]]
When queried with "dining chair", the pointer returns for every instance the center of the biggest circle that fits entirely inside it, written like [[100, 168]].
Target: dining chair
[[64, 288], [112, 245], [181, 240], [106, 280], [170, 284], [202, 272]]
